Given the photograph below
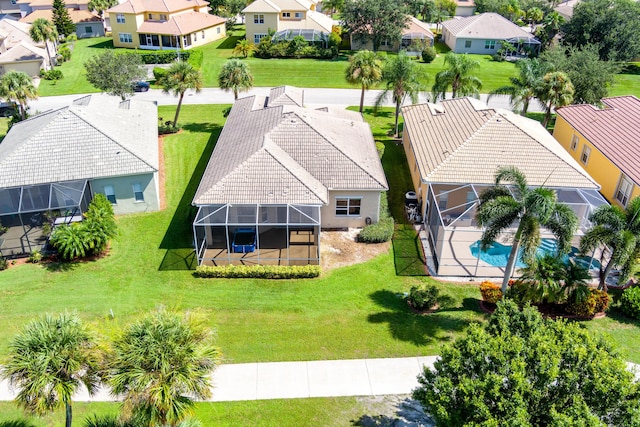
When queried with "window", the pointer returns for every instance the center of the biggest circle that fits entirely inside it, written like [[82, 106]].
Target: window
[[258, 37], [384, 43], [298, 15], [286, 14], [623, 192], [203, 33], [258, 19], [163, 17], [574, 142], [14, 1], [217, 30], [120, 18], [584, 158], [150, 16], [467, 44], [88, 30], [126, 38], [347, 206], [186, 40], [195, 37], [490, 44], [138, 194], [111, 195]]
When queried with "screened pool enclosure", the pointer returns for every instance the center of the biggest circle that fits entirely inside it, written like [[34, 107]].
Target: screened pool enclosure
[[257, 234], [24, 210]]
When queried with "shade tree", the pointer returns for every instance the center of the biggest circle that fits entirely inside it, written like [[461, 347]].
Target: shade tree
[[114, 73], [375, 20]]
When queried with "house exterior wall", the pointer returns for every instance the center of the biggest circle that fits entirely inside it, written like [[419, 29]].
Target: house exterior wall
[[419, 187], [96, 29], [32, 68], [6, 7], [465, 10], [271, 20], [477, 46], [369, 208], [130, 26], [123, 189], [603, 170]]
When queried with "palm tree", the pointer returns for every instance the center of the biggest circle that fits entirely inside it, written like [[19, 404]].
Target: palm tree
[[236, 76], [159, 364], [17, 86], [365, 69], [524, 87], [555, 91], [244, 47], [403, 78], [534, 15], [458, 76], [48, 361], [44, 31], [100, 6], [500, 208], [180, 77], [617, 230]]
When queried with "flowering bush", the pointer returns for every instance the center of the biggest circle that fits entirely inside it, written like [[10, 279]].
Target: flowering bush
[[491, 292]]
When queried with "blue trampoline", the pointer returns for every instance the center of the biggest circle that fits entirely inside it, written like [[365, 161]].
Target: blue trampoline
[[244, 240]]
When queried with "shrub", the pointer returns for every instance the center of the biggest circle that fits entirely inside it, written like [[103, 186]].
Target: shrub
[[429, 54], [64, 53], [381, 231], [518, 292], [54, 74], [630, 302], [159, 74], [423, 297], [160, 56], [35, 257], [491, 292], [195, 59], [4, 264], [595, 302], [257, 271]]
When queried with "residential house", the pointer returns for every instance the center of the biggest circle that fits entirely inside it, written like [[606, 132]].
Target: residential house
[[88, 24], [164, 24], [484, 34], [19, 52], [279, 174], [29, 6], [263, 16], [454, 150], [465, 7], [605, 142], [415, 30], [565, 8], [9, 8], [52, 164]]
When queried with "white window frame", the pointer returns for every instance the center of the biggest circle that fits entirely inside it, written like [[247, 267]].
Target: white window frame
[[586, 153], [110, 194], [258, 18], [574, 142], [298, 15], [490, 44], [125, 38], [150, 16], [623, 190], [120, 19], [163, 17], [350, 205], [286, 15], [258, 36], [203, 33], [218, 30], [138, 192]]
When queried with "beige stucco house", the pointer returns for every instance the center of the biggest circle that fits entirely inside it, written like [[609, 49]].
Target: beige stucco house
[[414, 30], [19, 52], [279, 174], [263, 16], [164, 24], [454, 150], [53, 163]]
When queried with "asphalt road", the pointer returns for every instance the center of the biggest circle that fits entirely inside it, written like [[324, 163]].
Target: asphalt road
[[312, 97]]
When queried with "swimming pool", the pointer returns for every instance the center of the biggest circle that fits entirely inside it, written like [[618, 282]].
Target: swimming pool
[[497, 254]]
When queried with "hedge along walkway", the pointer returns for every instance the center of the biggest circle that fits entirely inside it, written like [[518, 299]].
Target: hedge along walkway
[[289, 380]]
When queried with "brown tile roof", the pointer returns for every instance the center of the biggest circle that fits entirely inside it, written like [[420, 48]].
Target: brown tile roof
[[40, 3], [77, 16], [414, 25], [613, 130], [485, 26], [142, 6], [464, 141], [288, 154], [182, 24]]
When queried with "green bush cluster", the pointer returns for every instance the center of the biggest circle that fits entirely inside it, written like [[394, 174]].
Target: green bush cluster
[[381, 231], [64, 53], [4, 264], [257, 271], [429, 54], [596, 301], [159, 74], [35, 257], [160, 56], [296, 48], [423, 297], [53, 74], [195, 59], [630, 302], [89, 237]]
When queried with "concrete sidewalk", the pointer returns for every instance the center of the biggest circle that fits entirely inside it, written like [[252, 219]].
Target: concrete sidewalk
[[287, 380]]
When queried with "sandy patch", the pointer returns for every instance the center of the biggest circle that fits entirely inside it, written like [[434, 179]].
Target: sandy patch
[[341, 248]]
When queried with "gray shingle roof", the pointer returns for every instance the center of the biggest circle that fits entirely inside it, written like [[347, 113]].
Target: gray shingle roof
[[93, 138], [464, 141], [286, 95], [288, 154], [485, 26]]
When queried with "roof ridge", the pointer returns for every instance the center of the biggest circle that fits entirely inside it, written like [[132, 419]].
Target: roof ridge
[[112, 139]]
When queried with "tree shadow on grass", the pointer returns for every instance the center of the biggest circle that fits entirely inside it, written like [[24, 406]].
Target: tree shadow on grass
[[17, 423], [107, 44], [230, 42], [405, 325], [178, 239]]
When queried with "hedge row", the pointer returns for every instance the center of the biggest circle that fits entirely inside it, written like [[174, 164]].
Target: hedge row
[[257, 271], [160, 56]]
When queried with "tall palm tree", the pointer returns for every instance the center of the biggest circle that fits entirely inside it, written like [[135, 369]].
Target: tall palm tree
[[159, 364], [365, 69], [100, 6], [524, 87], [180, 77], [403, 79], [48, 361], [17, 86], [44, 31], [458, 76], [617, 230], [534, 15], [236, 76], [555, 91], [501, 208]]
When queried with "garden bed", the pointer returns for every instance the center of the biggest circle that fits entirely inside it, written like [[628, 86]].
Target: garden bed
[[552, 311]]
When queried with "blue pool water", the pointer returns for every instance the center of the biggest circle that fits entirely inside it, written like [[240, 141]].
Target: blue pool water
[[498, 254]]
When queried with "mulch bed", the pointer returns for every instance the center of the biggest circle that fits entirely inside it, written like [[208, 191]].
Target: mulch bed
[[552, 311], [422, 312]]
